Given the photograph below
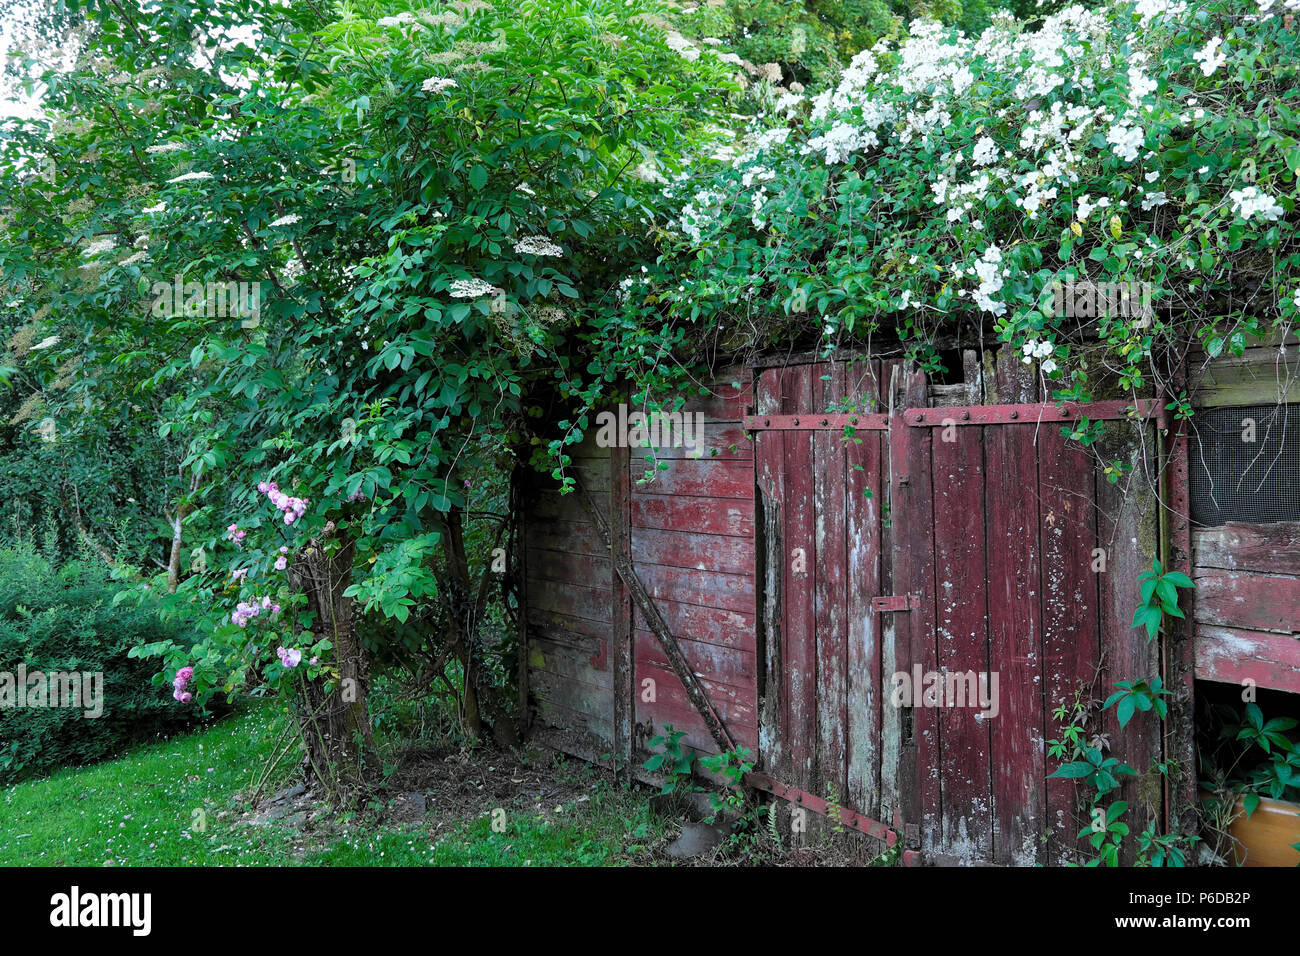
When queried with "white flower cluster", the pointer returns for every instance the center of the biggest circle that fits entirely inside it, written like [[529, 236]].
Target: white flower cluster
[[538, 246], [1210, 57], [437, 84], [1125, 140], [1250, 202], [701, 211], [992, 274], [472, 289], [1034, 349], [98, 246]]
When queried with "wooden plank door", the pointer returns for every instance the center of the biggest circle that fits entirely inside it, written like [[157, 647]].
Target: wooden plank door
[[1011, 563], [1032, 588], [820, 496]]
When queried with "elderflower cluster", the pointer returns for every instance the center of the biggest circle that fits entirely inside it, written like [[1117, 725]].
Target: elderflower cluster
[[538, 246], [472, 289]]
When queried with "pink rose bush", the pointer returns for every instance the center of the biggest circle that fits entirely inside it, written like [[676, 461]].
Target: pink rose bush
[[293, 508], [182, 681], [245, 611], [252, 607]]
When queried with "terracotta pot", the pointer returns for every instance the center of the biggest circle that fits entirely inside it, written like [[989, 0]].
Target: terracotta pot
[[1267, 834]]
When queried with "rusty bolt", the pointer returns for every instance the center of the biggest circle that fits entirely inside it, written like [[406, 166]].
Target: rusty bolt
[[1014, 415]]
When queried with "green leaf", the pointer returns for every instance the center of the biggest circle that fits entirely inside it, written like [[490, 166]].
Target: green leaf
[[1073, 771]]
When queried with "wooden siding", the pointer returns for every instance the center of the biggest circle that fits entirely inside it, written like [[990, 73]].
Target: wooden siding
[[689, 530], [1248, 604], [691, 535], [570, 605]]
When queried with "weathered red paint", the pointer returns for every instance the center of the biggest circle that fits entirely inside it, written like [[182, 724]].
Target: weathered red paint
[[1028, 412], [829, 422], [985, 563]]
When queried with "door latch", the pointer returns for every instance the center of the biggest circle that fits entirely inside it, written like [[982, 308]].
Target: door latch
[[896, 602]]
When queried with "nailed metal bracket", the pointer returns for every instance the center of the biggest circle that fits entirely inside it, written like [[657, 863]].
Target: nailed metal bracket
[[857, 421], [896, 602], [817, 805], [1029, 414]]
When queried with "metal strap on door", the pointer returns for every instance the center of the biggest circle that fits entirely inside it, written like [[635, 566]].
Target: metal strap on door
[[964, 415]]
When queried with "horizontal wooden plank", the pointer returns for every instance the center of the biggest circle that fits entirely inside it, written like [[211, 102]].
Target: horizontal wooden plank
[[683, 549], [551, 713], [552, 505], [593, 604], [1261, 375], [709, 625], [685, 476], [566, 629], [1260, 602], [570, 662], [734, 666], [718, 441], [583, 569], [725, 401], [1231, 655], [574, 537], [731, 592], [574, 695], [671, 706], [1240, 546], [722, 516]]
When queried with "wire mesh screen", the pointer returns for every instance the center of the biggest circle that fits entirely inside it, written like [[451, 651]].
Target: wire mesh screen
[[1246, 464]]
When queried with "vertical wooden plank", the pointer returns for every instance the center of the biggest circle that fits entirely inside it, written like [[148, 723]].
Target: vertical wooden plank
[[1180, 671], [916, 778], [799, 559], [893, 394], [1015, 625], [1126, 530], [621, 646], [769, 468], [863, 523], [963, 641], [831, 603], [1071, 640], [1015, 643]]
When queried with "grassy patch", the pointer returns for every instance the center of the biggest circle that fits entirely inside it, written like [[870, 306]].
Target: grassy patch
[[174, 803]]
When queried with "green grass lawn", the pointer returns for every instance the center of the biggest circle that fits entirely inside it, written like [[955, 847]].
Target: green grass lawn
[[172, 803]]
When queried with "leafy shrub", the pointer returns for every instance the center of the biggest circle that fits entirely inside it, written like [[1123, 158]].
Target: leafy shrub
[[62, 618]]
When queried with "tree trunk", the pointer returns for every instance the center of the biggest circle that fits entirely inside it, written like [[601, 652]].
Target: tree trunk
[[174, 559], [334, 724], [459, 595]]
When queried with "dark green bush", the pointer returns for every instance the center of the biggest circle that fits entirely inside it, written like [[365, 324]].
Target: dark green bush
[[62, 619]]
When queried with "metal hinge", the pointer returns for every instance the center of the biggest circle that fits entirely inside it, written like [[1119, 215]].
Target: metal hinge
[[897, 602]]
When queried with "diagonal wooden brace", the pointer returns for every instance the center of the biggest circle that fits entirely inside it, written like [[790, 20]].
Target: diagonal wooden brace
[[694, 689]]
